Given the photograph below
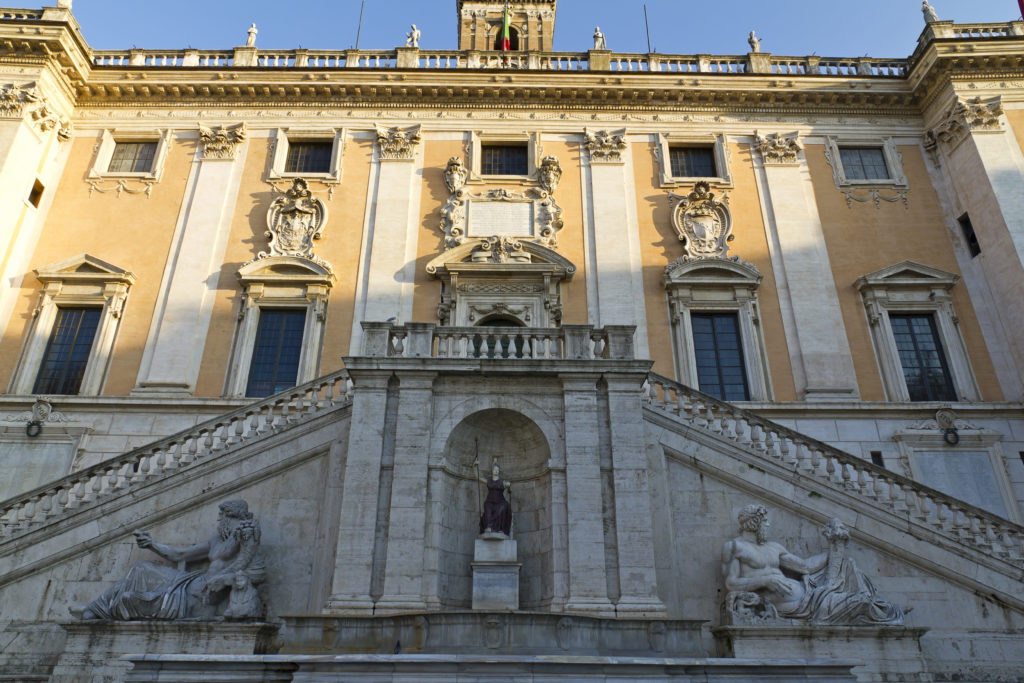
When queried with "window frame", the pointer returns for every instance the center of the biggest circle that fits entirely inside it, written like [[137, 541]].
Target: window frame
[[279, 155], [720, 149], [279, 282], [109, 140], [712, 316], [263, 310], [913, 288], [79, 282], [477, 141], [890, 152], [717, 285], [66, 360]]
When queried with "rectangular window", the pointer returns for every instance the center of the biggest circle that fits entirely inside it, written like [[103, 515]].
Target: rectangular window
[[968, 230], [275, 355], [132, 157], [504, 159], [876, 458], [692, 162], [36, 195], [864, 163], [719, 354], [924, 363], [309, 157], [67, 352]]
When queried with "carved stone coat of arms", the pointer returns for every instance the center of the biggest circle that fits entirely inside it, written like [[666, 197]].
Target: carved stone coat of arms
[[703, 223]]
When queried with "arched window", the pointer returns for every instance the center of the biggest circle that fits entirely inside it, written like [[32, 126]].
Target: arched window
[[513, 38]]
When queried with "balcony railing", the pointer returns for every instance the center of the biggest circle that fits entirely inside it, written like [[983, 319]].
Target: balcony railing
[[569, 342]]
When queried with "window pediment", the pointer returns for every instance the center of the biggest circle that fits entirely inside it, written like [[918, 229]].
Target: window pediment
[[83, 268], [908, 273]]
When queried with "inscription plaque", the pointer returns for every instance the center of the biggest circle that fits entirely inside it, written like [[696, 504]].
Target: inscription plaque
[[500, 218]]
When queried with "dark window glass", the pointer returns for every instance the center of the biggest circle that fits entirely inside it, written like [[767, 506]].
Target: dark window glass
[[67, 352], [36, 195], [309, 157], [924, 363], [719, 352], [692, 162], [864, 163], [275, 357], [504, 160], [972, 240], [132, 157], [876, 458]]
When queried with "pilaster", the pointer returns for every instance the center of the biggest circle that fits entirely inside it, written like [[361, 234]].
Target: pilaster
[[403, 579], [638, 583], [818, 346], [177, 335], [588, 588], [353, 568]]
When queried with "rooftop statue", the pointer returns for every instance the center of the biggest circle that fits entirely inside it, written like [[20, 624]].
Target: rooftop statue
[[412, 38], [599, 40], [768, 584], [929, 12], [755, 42], [152, 591], [251, 40]]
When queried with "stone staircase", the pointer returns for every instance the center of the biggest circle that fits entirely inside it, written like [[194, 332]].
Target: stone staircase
[[909, 505], [123, 475]]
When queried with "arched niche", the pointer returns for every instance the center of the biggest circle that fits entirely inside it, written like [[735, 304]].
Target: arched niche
[[523, 453]]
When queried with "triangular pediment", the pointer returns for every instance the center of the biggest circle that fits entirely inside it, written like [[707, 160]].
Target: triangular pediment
[[909, 273], [468, 254], [83, 267]]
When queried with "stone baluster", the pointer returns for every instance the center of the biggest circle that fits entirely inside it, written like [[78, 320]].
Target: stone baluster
[[63, 499], [207, 435], [757, 438], [742, 430], [96, 486], [46, 505], [114, 477], [848, 480], [803, 458], [714, 424], [771, 444]]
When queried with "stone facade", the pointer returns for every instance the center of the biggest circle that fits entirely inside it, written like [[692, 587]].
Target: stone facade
[[545, 314]]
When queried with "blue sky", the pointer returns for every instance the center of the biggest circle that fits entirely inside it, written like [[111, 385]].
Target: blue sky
[[880, 28]]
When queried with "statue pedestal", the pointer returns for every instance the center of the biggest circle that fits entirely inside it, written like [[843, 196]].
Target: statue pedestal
[[93, 649], [885, 653], [495, 573]]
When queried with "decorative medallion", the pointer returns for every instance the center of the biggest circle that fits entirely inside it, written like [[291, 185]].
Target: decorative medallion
[[605, 146], [777, 148], [703, 223], [455, 174], [222, 142], [549, 174], [398, 143], [293, 222]]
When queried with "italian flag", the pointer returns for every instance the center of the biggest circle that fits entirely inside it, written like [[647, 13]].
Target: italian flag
[[506, 36]]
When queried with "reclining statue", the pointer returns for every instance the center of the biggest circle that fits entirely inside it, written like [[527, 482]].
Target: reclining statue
[[768, 584], [226, 587]]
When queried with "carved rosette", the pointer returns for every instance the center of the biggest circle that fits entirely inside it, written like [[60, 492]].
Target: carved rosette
[[455, 174], [549, 174], [703, 223], [973, 116], [223, 142], [778, 148], [293, 222], [605, 146], [398, 143]]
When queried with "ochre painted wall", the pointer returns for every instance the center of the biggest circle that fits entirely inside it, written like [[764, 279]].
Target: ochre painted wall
[[339, 246], [130, 231], [862, 238], [661, 246]]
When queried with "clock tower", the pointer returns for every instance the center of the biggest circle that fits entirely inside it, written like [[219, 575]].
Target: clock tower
[[532, 24]]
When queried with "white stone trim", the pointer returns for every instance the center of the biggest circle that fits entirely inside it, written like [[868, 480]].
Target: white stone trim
[[717, 285], [263, 287], [478, 138], [717, 141], [105, 153], [279, 152], [909, 287], [893, 161], [67, 283]]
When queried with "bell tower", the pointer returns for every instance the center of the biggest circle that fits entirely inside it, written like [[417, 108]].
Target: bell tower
[[532, 24]]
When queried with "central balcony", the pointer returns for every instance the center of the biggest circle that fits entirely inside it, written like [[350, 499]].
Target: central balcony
[[568, 342]]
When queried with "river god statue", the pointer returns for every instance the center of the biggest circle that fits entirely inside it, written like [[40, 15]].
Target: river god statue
[[227, 587], [767, 584]]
